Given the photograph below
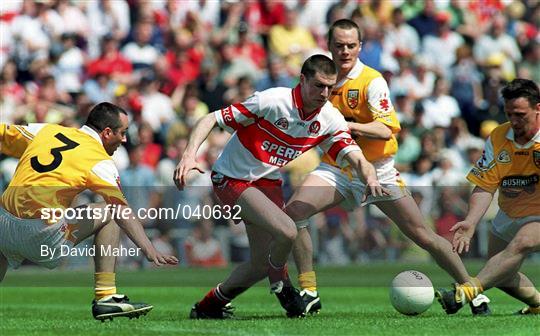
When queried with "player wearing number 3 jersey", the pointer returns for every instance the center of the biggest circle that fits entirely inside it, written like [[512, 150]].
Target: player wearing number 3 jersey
[[55, 164]]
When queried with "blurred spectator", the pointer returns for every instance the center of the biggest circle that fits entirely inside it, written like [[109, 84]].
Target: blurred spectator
[[107, 17], [246, 47], [452, 209], [312, 15], [291, 41], [140, 52], [233, 67], [151, 151], [211, 89], [492, 84], [30, 39], [139, 183], [68, 70], [110, 62], [191, 108], [11, 88], [340, 10], [409, 148], [275, 75], [466, 86], [440, 49], [202, 249], [100, 88], [440, 108], [333, 242], [74, 20], [157, 107], [400, 38], [425, 22], [530, 67], [498, 42]]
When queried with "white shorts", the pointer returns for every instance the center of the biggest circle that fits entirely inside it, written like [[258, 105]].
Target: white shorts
[[505, 227], [352, 188], [22, 239]]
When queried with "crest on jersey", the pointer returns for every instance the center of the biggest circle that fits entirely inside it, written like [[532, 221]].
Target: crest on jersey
[[282, 123], [315, 127], [536, 158], [504, 157], [352, 98]]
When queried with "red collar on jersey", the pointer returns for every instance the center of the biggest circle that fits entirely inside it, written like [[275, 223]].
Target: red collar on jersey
[[299, 104]]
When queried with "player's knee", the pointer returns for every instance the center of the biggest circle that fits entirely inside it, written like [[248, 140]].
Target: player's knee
[[523, 244], [287, 232], [299, 211]]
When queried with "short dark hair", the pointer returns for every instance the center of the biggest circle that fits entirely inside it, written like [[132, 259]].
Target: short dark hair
[[105, 115], [344, 24], [318, 64], [522, 88]]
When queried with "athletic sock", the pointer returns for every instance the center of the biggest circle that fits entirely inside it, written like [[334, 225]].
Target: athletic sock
[[104, 284], [308, 280], [214, 298], [468, 291]]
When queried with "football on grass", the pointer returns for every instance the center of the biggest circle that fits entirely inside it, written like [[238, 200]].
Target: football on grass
[[411, 293]]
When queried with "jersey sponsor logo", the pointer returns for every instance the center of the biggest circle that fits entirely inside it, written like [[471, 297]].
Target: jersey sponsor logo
[[536, 158], [504, 157], [352, 98], [279, 155], [282, 123], [315, 127], [522, 153], [512, 186]]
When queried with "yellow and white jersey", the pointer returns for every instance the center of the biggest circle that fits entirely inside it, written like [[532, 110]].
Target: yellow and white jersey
[[55, 164], [513, 169], [362, 97]]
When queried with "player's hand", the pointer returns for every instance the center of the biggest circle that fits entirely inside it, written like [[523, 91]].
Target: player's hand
[[374, 188], [185, 165], [463, 233], [160, 259]]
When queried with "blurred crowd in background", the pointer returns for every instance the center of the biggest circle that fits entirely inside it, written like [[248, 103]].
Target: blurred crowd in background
[[170, 62]]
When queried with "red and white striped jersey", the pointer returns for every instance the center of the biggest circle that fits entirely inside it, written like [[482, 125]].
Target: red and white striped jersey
[[270, 129]]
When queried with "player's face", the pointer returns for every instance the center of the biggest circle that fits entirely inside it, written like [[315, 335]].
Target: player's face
[[344, 47], [316, 90], [112, 139], [524, 118]]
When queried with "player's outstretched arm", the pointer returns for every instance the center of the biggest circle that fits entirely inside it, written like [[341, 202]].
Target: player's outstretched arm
[[187, 161], [134, 229], [464, 231], [358, 161]]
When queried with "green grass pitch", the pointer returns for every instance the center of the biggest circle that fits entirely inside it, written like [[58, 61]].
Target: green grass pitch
[[355, 302]]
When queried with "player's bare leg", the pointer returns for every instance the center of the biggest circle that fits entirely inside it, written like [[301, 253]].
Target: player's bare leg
[[249, 273], [519, 285], [271, 235], [407, 216], [3, 266], [501, 270], [107, 303], [262, 213], [313, 196]]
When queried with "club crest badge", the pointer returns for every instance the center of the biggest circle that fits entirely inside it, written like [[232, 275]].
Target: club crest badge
[[536, 158], [352, 98], [282, 123], [315, 127], [504, 157]]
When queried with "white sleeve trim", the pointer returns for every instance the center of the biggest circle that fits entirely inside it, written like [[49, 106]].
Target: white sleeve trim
[[107, 171]]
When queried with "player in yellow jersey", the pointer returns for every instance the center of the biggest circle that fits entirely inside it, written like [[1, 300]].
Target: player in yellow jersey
[[511, 164], [55, 164], [362, 96]]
